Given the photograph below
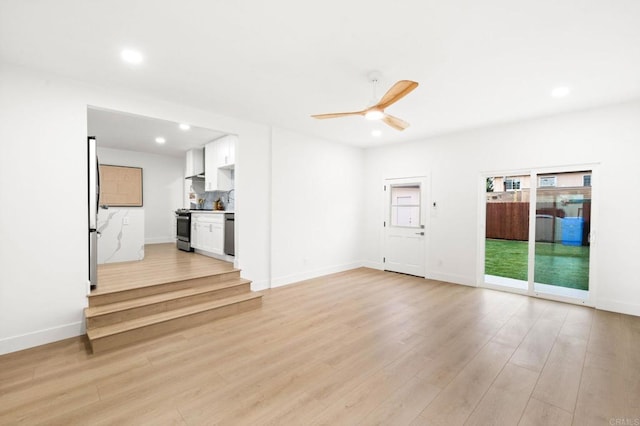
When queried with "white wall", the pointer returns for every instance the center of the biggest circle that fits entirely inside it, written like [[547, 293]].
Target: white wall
[[43, 249], [316, 207], [162, 189], [609, 136]]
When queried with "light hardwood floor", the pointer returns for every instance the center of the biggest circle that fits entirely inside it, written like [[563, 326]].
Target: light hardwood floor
[[162, 263], [360, 347]]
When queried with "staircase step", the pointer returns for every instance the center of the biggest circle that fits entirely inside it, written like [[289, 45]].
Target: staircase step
[[99, 299], [103, 315], [147, 327]]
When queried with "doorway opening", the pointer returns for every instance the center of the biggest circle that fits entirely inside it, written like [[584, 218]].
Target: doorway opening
[[129, 233]]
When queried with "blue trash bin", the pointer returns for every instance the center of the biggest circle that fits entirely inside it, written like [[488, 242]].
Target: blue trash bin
[[572, 231]]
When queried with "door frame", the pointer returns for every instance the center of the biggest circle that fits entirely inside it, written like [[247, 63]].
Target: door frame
[[425, 214], [533, 172]]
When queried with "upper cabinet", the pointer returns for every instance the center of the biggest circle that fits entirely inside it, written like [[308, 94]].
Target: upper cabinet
[[226, 147], [210, 167], [220, 157], [195, 163]]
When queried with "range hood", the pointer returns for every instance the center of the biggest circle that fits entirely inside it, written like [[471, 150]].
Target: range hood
[[194, 166]]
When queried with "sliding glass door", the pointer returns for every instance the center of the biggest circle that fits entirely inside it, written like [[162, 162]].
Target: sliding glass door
[[537, 233], [563, 226], [507, 231]]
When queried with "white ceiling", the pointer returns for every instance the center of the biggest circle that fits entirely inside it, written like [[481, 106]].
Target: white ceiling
[[278, 61], [118, 130]]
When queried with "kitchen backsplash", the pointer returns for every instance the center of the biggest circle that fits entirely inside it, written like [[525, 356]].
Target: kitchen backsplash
[[209, 198], [195, 192]]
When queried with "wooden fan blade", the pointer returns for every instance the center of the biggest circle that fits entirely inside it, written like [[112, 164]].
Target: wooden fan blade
[[395, 122], [397, 92], [337, 114]]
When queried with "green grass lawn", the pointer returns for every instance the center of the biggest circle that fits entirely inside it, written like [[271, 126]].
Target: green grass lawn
[[556, 264]]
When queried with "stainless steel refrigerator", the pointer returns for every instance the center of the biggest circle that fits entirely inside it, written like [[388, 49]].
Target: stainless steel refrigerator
[[94, 200]]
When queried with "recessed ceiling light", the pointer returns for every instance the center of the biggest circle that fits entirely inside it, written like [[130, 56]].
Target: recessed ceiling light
[[376, 133], [185, 126], [374, 114], [131, 56], [560, 92], [160, 140]]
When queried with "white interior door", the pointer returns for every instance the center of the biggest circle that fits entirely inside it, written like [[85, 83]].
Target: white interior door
[[404, 225]]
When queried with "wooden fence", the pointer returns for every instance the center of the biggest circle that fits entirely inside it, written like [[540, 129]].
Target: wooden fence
[[508, 221]]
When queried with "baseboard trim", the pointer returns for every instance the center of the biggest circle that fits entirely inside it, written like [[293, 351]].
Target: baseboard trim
[[373, 265], [41, 337], [618, 307], [294, 278], [160, 240], [259, 285], [452, 278]]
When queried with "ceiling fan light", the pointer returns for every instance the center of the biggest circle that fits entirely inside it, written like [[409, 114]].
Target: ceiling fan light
[[560, 92], [374, 114], [131, 56]]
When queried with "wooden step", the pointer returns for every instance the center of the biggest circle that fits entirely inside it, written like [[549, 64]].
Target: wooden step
[[102, 315], [99, 299], [151, 326]]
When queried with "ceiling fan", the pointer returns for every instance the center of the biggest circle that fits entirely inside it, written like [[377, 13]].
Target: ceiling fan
[[376, 112]]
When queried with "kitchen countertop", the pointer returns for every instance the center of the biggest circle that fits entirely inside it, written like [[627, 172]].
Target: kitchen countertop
[[211, 211]]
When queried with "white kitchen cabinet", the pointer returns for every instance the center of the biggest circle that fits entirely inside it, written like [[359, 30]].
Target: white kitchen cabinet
[[194, 162], [226, 151], [210, 167], [208, 232], [194, 232], [219, 161]]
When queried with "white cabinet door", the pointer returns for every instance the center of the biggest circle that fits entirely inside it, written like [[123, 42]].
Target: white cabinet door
[[194, 162], [219, 160], [211, 166], [206, 234], [231, 149], [227, 159], [221, 151], [210, 232], [226, 151], [194, 233], [217, 237]]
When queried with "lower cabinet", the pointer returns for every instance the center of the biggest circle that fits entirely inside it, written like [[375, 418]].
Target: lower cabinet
[[208, 232], [194, 232]]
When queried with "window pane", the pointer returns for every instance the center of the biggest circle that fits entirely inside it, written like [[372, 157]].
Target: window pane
[[405, 205], [507, 231], [405, 195], [548, 181], [563, 222], [405, 216]]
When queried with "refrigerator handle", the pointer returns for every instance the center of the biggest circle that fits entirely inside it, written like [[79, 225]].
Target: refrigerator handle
[[93, 184], [97, 183]]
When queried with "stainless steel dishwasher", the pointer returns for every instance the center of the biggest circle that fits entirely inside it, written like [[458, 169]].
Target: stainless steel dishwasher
[[229, 234]]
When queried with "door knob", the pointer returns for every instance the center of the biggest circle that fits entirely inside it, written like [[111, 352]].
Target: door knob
[[419, 233]]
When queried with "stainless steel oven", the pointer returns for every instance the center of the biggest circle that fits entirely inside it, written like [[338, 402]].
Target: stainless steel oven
[[183, 230]]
